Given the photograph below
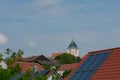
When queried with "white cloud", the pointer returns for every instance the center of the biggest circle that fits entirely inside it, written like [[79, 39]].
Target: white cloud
[[53, 8], [42, 8], [32, 44], [3, 39]]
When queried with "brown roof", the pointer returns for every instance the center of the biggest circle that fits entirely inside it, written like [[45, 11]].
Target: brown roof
[[35, 58], [51, 62], [109, 70], [28, 65], [68, 66]]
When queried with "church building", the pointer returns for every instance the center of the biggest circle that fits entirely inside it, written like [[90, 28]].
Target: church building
[[73, 49]]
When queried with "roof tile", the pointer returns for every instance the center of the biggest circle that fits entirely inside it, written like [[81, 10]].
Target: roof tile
[[68, 66], [109, 70], [27, 65]]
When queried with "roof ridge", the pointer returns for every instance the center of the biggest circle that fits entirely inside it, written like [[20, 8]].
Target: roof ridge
[[103, 50]]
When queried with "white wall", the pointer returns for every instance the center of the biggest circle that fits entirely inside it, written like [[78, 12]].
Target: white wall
[[3, 65], [60, 72], [74, 52]]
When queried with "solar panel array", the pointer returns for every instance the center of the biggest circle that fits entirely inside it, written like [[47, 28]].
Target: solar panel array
[[89, 66]]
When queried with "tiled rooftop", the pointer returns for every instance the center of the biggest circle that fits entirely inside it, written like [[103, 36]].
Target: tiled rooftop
[[109, 69], [27, 65], [35, 58], [68, 66]]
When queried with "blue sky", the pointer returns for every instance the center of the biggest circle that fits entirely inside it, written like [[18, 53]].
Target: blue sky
[[48, 26]]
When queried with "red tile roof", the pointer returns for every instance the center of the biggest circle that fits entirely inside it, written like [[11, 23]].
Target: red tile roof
[[109, 70], [68, 66], [27, 65]]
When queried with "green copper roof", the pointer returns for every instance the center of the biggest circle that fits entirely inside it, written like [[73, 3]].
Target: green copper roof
[[72, 44]]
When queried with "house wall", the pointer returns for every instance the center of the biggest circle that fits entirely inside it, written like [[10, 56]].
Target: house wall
[[73, 51], [3, 65], [61, 72], [50, 77]]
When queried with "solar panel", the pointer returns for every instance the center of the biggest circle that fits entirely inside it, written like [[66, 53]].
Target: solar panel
[[74, 76], [85, 63], [43, 72], [100, 61], [96, 57], [89, 66], [88, 75], [81, 74], [81, 67]]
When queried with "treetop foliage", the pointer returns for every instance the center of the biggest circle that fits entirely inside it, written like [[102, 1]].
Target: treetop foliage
[[66, 58], [13, 71]]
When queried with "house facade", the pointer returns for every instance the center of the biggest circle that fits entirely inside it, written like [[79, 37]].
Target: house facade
[[3, 65]]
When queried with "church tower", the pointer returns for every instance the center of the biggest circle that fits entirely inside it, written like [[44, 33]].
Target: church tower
[[73, 49]]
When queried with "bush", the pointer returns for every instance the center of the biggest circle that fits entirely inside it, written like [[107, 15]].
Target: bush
[[66, 58]]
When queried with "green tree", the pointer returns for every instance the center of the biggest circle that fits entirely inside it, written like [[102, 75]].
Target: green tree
[[8, 51], [46, 66], [20, 52], [66, 73], [66, 58], [1, 56], [56, 76], [39, 76], [13, 54], [14, 69]]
